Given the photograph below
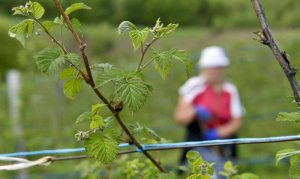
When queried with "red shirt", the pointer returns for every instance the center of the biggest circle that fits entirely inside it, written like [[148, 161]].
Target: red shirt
[[217, 103]]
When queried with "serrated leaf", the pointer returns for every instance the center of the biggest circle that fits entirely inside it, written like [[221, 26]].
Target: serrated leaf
[[73, 58], [101, 148], [126, 26], [86, 116], [133, 92], [138, 37], [112, 129], [163, 62], [96, 108], [20, 10], [68, 73], [170, 28], [22, 31], [288, 116], [72, 87], [109, 74], [184, 58], [76, 24], [285, 153], [35, 9], [49, 60], [48, 25], [97, 122], [75, 7]]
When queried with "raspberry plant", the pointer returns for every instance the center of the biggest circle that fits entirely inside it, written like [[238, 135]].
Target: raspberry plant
[[104, 133]]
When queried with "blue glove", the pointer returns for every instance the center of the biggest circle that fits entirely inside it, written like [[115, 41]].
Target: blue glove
[[211, 134], [202, 113]]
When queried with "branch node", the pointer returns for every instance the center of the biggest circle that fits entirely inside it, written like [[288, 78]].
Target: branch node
[[82, 46]]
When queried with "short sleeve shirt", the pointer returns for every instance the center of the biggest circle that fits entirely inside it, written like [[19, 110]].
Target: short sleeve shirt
[[224, 105]]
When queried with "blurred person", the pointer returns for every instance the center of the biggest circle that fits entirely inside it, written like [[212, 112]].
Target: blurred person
[[210, 108]]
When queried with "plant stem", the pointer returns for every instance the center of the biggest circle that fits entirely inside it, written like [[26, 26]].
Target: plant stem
[[91, 82], [61, 45], [144, 51], [268, 39], [50, 35]]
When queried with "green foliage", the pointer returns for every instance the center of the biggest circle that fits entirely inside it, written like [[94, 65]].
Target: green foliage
[[33, 9], [126, 26], [288, 116], [294, 170], [133, 91], [48, 25], [101, 147], [75, 7], [159, 30], [138, 37], [199, 167], [146, 134], [73, 82], [50, 59], [22, 31], [163, 61], [229, 169], [285, 154]]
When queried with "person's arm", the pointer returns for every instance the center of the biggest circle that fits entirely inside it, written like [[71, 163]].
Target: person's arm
[[230, 128], [185, 112]]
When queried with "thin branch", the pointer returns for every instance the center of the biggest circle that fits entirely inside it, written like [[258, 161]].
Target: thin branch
[[144, 51], [50, 35], [268, 39], [91, 82], [147, 64]]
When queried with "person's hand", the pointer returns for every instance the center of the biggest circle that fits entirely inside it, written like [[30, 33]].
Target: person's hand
[[211, 134], [202, 113]]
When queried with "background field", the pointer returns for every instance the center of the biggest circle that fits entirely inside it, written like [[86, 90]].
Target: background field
[[48, 117]]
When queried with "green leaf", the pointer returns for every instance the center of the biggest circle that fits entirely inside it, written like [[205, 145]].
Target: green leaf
[[74, 59], [49, 60], [96, 108], [126, 26], [294, 170], [192, 155], [112, 129], [20, 10], [101, 148], [86, 116], [35, 9], [97, 122], [133, 92], [159, 30], [58, 20], [285, 153], [68, 73], [48, 25], [138, 37], [163, 62], [75, 7], [72, 87], [22, 31], [76, 24], [184, 58], [108, 74], [288, 116]]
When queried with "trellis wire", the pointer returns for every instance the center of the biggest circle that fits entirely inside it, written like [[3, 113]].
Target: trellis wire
[[166, 146]]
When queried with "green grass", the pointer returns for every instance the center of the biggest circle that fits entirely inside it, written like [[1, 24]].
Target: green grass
[[48, 117]]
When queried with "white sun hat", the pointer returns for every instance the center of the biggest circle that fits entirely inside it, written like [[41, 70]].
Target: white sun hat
[[213, 56]]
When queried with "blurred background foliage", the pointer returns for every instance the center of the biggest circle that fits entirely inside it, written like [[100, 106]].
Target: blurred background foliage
[[48, 117]]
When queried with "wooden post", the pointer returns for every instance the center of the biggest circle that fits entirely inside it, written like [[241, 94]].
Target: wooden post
[[13, 88]]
